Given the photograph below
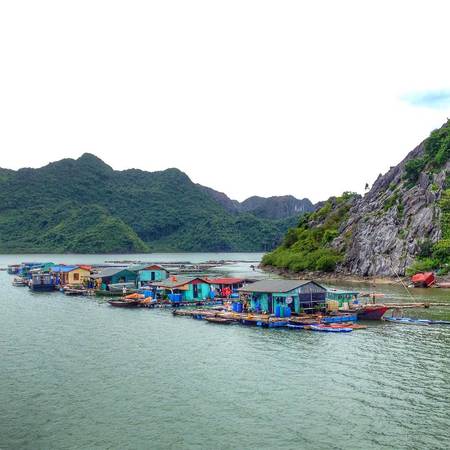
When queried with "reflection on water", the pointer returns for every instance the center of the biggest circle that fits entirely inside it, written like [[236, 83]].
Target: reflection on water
[[76, 373]]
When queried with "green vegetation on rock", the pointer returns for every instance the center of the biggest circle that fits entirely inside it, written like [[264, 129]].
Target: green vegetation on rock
[[437, 153], [308, 246]]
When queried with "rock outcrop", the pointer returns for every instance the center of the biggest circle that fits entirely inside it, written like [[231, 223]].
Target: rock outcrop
[[384, 232]]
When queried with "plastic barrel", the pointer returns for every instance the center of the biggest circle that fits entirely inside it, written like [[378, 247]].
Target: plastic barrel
[[239, 307], [287, 312], [277, 311]]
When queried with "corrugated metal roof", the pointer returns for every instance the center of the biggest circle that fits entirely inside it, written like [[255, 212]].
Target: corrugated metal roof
[[109, 272], [62, 268], [275, 285], [173, 282], [226, 280]]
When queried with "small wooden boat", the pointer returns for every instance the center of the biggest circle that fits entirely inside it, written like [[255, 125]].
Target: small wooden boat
[[219, 320], [74, 291], [104, 293], [20, 282], [329, 329], [424, 279], [125, 304]]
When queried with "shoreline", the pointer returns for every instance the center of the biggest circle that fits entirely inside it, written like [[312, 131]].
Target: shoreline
[[334, 277]]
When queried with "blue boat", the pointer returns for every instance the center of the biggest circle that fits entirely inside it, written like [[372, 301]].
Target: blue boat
[[340, 318], [325, 329], [408, 321], [269, 324]]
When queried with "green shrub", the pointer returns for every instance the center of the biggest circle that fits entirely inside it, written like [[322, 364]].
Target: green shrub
[[422, 265], [307, 247]]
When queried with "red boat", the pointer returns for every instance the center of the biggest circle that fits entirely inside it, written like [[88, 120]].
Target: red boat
[[425, 279], [372, 312]]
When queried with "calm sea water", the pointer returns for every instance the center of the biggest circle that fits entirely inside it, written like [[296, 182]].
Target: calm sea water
[[76, 373]]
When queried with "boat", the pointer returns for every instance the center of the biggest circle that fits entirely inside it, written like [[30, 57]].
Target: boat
[[20, 282], [371, 312], [424, 279], [75, 290], [219, 320], [328, 329], [340, 318], [271, 323], [105, 293], [412, 321], [125, 304]]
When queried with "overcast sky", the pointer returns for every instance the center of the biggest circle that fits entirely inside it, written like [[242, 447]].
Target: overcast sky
[[308, 98]]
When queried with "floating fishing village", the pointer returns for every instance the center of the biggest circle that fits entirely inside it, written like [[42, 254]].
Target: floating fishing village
[[189, 291]]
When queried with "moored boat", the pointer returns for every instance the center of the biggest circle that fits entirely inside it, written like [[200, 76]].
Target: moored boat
[[125, 304], [371, 312], [424, 279], [219, 320], [20, 282], [329, 329]]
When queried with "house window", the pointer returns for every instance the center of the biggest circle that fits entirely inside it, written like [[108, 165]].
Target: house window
[[76, 277]]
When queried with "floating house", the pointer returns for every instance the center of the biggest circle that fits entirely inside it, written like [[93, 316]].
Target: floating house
[[148, 273], [184, 289], [342, 297], [299, 295], [71, 274], [13, 269], [43, 282], [114, 275], [225, 287], [27, 269]]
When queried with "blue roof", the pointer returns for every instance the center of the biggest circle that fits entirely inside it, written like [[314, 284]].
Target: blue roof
[[63, 268]]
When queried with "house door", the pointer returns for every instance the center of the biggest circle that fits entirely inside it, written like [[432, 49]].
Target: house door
[[270, 303], [152, 276], [195, 286]]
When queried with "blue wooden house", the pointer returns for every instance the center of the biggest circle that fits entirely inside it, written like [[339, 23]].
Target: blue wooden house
[[148, 273], [186, 289], [299, 295], [114, 275]]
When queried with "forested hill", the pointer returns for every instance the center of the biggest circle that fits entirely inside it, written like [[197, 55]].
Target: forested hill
[[84, 205], [401, 226]]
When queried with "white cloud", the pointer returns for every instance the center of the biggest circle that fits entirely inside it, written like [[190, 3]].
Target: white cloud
[[248, 97]]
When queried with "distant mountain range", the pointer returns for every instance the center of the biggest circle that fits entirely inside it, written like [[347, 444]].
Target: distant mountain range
[[84, 206], [280, 207]]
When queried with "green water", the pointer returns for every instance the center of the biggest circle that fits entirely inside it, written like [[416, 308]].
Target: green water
[[76, 373]]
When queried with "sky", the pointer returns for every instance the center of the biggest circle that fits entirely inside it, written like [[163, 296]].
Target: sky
[[308, 98]]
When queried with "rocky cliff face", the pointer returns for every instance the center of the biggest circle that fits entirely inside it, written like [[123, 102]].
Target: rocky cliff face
[[277, 207], [402, 223], [390, 223]]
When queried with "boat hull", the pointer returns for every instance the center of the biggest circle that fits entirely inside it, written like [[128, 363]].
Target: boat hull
[[122, 304], [372, 312], [42, 288]]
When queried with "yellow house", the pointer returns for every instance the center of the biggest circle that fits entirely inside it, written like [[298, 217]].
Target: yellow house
[[72, 274]]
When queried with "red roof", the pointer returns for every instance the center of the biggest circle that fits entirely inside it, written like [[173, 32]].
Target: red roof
[[226, 280]]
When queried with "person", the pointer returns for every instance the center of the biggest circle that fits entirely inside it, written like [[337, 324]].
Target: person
[[124, 290]]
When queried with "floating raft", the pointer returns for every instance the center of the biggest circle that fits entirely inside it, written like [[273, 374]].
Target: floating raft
[[219, 320]]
